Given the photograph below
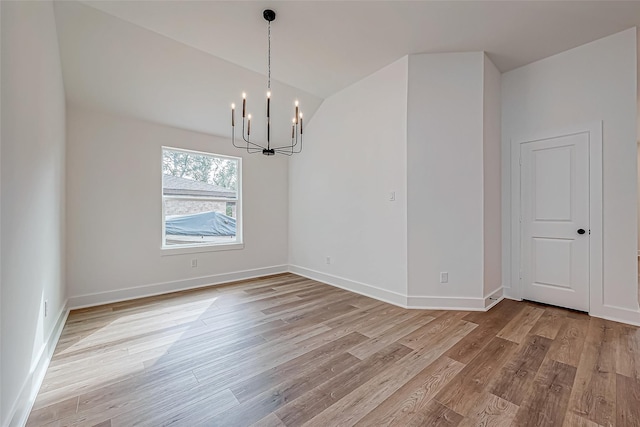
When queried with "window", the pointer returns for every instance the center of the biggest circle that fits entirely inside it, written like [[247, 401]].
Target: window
[[201, 203]]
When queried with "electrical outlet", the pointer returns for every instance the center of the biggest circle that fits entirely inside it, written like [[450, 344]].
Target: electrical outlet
[[444, 277], [328, 260], [194, 263], [46, 308]]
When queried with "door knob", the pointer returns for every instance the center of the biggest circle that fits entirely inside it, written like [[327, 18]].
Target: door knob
[[581, 231]]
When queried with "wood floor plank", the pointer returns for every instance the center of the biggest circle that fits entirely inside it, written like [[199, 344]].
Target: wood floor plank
[[53, 412], [357, 404], [516, 378], [376, 329], [389, 336], [413, 395], [254, 406], [467, 387], [256, 384], [628, 401], [549, 323], [325, 395], [628, 352], [286, 350], [436, 415], [491, 411], [594, 391], [212, 375], [569, 342], [424, 334], [270, 420], [489, 325], [547, 404], [188, 412], [503, 312], [518, 328], [573, 420]]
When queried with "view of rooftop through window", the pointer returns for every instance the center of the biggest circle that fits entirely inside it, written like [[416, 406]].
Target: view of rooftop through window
[[200, 194]]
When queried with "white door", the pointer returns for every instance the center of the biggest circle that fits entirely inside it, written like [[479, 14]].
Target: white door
[[554, 179]]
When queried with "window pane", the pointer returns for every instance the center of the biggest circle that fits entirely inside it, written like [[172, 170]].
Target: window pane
[[189, 183]]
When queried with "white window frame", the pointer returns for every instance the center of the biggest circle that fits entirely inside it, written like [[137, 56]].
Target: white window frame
[[200, 247]]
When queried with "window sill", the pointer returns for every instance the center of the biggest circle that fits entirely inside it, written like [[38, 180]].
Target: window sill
[[193, 249]]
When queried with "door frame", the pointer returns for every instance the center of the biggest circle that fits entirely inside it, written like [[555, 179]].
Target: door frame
[[594, 131]]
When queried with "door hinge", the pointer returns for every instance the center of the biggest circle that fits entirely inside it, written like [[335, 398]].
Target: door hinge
[[520, 160], [520, 274]]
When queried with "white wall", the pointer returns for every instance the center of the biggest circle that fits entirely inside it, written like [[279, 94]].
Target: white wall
[[114, 211], [354, 156], [593, 82], [33, 194], [638, 195], [1, 401], [445, 174], [492, 232]]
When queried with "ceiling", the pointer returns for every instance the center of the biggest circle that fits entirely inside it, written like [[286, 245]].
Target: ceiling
[[183, 62]]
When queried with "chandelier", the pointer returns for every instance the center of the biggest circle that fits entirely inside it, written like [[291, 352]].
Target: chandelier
[[296, 126]]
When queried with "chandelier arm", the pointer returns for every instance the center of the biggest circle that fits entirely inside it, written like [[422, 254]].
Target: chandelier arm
[[289, 146], [286, 153], [293, 144], [233, 141], [233, 137], [289, 151], [247, 147], [257, 146]]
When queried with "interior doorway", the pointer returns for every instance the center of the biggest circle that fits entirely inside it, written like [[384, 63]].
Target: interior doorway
[[556, 223], [554, 182]]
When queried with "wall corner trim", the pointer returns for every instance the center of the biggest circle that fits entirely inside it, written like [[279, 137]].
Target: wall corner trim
[[22, 407]]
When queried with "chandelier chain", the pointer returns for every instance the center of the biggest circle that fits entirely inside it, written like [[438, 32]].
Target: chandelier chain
[[269, 56]]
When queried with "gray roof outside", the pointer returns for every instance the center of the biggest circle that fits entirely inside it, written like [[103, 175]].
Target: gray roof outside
[[177, 186]]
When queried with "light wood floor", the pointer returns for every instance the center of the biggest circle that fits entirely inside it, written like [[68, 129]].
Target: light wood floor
[[285, 350]]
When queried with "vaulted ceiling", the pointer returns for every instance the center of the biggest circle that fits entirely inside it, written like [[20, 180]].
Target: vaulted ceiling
[[183, 62]]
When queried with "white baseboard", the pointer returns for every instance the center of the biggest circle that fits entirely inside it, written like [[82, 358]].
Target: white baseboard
[[493, 298], [351, 285], [100, 298], [617, 314], [404, 301], [446, 303], [27, 397]]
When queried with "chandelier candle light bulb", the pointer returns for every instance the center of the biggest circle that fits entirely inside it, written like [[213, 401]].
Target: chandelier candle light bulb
[[296, 132], [268, 104]]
